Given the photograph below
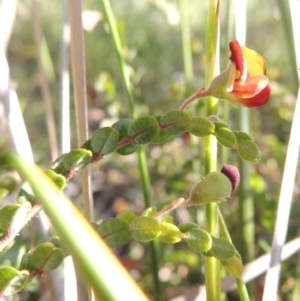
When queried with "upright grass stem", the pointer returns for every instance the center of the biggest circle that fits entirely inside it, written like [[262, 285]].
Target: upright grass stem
[[210, 148], [246, 203], [157, 294], [289, 173], [186, 45]]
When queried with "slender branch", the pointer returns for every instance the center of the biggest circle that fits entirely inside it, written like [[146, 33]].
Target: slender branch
[[200, 94]]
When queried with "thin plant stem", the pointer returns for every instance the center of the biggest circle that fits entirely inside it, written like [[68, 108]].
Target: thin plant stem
[[289, 43], [242, 289], [212, 272], [288, 179], [98, 265], [79, 83], [246, 203], [70, 280], [186, 45], [65, 81], [43, 82], [143, 168]]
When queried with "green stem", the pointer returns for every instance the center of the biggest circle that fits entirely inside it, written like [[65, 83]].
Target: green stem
[[246, 206], [186, 45], [212, 280], [242, 289], [82, 241], [144, 172], [118, 47]]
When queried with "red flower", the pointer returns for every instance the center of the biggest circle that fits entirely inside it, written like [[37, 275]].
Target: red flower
[[251, 85], [244, 82]]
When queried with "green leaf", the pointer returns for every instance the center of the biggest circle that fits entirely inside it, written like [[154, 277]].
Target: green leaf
[[175, 122], [186, 227], [58, 179], [104, 141], [150, 212], [8, 183], [14, 216], [219, 125], [198, 240], [248, 150], [144, 129], [77, 159], [126, 215], [161, 137], [12, 280], [201, 127], [47, 257], [170, 233], [121, 127], [222, 249], [87, 145], [58, 165], [242, 136], [215, 187], [26, 263], [7, 214], [234, 266], [115, 232], [226, 137], [145, 228], [26, 194]]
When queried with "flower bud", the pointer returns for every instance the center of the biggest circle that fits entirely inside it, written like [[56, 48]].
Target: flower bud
[[233, 175]]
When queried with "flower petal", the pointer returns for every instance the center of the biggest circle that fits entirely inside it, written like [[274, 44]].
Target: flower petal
[[253, 85], [258, 100], [237, 57], [256, 65]]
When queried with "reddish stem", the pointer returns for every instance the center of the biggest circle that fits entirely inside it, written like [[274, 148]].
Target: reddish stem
[[170, 207], [200, 94]]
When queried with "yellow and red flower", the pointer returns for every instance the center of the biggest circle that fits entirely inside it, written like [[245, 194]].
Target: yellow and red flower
[[244, 82]]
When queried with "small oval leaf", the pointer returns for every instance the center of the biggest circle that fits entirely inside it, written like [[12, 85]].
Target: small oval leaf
[[121, 127], [201, 127], [58, 179], [144, 129], [47, 257], [215, 187], [126, 215], [14, 216], [104, 141], [248, 150], [7, 214], [234, 266], [77, 159], [198, 240], [226, 137], [186, 227], [115, 232], [175, 122], [222, 249], [170, 233], [58, 165], [242, 136], [145, 228], [12, 281]]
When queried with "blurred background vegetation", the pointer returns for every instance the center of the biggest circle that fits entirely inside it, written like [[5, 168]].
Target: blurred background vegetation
[[151, 37]]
